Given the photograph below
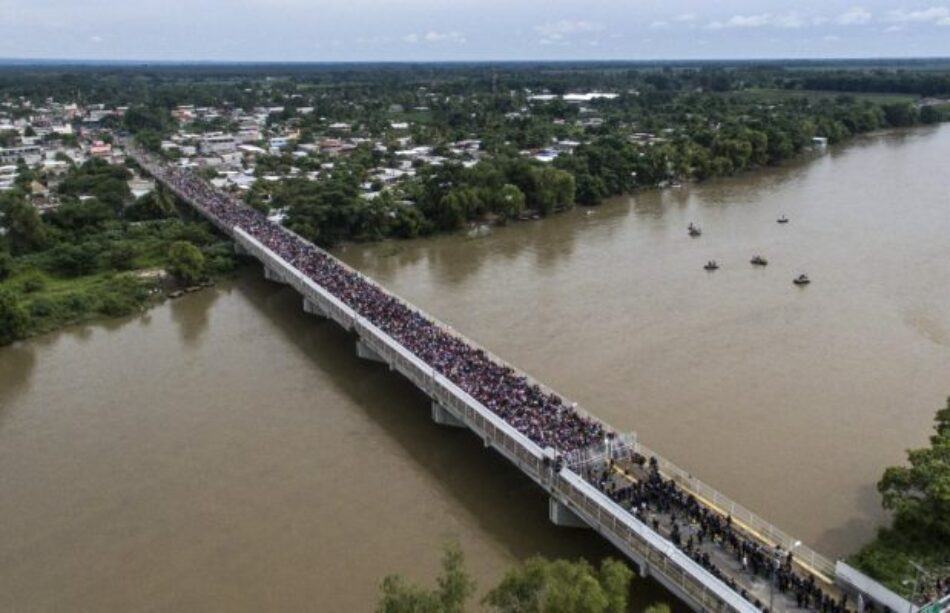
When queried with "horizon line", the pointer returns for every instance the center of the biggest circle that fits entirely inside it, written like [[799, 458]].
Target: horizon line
[[33, 61]]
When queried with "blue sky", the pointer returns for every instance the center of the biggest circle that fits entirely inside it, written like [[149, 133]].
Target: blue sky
[[399, 30]]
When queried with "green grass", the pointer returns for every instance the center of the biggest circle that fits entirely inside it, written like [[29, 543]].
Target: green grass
[[61, 302], [54, 299]]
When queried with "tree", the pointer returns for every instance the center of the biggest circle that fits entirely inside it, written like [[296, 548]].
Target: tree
[[453, 588], [919, 494], [122, 255], [930, 114], [26, 229], [73, 260], [6, 265], [541, 586], [157, 204], [900, 114], [186, 262], [14, 319], [141, 118]]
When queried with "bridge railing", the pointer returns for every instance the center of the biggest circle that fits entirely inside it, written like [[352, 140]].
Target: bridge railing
[[662, 555], [663, 559], [804, 555], [335, 308]]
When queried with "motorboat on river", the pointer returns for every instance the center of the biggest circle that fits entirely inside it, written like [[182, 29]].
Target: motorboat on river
[[802, 280], [758, 260], [711, 265]]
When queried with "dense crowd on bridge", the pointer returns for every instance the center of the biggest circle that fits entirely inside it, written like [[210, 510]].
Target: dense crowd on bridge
[[690, 526], [538, 414]]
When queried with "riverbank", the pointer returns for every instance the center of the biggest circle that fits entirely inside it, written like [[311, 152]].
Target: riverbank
[[647, 340], [119, 271]]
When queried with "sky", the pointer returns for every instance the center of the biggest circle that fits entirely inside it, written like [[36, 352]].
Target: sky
[[434, 30]]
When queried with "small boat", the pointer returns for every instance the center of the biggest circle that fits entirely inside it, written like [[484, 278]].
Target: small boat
[[711, 265], [759, 261], [694, 230], [782, 219], [801, 280]]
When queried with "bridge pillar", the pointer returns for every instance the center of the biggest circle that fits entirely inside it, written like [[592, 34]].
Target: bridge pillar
[[271, 275], [561, 515], [442, 417], [366, 352], [313, 308]]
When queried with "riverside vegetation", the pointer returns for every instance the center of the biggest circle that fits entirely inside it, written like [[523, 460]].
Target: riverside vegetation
[[919, 497], [101, 252], [102, 255], [536, 585]]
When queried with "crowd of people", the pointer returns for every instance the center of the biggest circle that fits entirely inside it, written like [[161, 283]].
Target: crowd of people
[[538, 414], [691, 526]]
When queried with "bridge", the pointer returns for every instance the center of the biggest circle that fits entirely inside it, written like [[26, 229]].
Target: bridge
[[711, 552]]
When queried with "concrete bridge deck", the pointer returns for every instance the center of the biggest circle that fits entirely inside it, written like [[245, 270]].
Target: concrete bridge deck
[[575, 501]]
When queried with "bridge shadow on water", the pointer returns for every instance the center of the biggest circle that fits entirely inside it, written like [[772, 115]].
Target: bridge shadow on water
[[478, 479]]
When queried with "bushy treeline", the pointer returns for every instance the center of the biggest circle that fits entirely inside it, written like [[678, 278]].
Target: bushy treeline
[[440, 198], [923, 83], [918, 495], [79, 260], [716, 137], [694, 136], [250, 85]]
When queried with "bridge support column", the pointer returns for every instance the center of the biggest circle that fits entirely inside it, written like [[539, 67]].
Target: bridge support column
[[313, 308], [271, 275], [561, 515], [366, 352], [442, 417]]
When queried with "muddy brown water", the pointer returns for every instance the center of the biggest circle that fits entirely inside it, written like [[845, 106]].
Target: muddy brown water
[[226, 451]]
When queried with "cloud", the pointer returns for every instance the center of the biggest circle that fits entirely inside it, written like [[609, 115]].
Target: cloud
[[854, 17], [95, 39], [935, 15], [659, 24], [741, 21], [445, 37], [558, 29], [831, 38], [686, 17], [790, 20], [455, 38], [374, 41]]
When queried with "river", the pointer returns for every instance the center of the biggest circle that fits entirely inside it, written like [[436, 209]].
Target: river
[[227, 452]]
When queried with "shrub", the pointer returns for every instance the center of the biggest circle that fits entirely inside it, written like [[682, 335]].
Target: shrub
[[6, 265], [186, 262], [34, 282], [42, 307], [14, 319]]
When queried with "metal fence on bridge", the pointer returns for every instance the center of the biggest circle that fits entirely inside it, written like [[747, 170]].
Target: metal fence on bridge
[[805, 556], [677, 570]]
